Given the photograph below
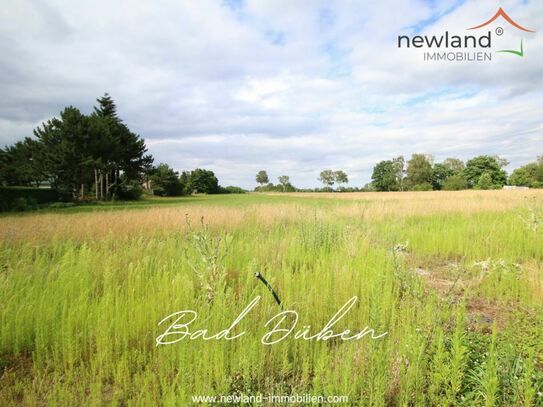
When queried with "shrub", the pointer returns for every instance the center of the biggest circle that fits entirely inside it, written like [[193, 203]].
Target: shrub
[[232, 190], [31, 203], [485, 182], [130, 192], [455, 183], [425, 186], [269, 188], [19, 204], [22, 198]]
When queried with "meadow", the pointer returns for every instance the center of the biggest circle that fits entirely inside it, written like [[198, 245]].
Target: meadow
[[454, 278]]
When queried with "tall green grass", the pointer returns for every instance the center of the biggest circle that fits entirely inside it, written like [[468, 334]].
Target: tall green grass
[[78, 319]]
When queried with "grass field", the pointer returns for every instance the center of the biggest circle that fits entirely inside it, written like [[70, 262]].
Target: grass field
[[455, 278]]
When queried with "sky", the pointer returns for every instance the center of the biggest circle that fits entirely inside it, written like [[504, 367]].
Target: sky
[[292, 87]]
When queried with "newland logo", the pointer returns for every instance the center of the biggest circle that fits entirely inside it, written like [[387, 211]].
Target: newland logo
[[473, 47]]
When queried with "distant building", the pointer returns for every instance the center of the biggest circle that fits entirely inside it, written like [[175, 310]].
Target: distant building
[[514, 187]]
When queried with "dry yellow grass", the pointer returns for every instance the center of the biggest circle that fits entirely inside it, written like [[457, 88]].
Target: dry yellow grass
[[430, 196], [136, 222], [378, 205], [371, 206]]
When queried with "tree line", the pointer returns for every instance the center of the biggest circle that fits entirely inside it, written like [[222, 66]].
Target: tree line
[[98, 157], [421, 173], [165, 181], [75, 153], [327, 177]]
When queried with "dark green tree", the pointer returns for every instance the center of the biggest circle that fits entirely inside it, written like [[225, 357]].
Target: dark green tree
[[20, 164], [125, 151], [479, 165], [440, 173], [66, 151], [529, 175], [204, 181], [76, 151], [165, 181], [106, 107], [384, 176], [262, 177]]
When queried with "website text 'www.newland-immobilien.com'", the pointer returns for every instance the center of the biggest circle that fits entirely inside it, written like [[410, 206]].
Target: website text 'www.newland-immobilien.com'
[[270, 399]]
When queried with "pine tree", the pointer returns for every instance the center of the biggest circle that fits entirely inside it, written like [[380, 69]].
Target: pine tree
[[107, 107]]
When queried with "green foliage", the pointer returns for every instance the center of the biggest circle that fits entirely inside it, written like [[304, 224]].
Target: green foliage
[[455, 183], [79, 316], [284, 180], [480, 165], [419, 170], [107, 107], [232, 190], [270, 187], [262, 177], [340, 177], [185, 180], [20, 198], [288, 187], [165, 181], [285, 185], [384, 177], [530, 175], [21, 204], [440, 174], [64, 145], [74, 152], [204, 181], [425, 186], [18, 166], [130, 191], [317, 235], [327, 178], [485, 182]]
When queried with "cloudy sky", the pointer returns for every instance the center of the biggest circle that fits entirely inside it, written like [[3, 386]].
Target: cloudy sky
[[289, 86]]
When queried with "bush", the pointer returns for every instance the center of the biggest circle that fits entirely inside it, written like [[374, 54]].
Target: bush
[[485, 182], [22, 198], [269, 188], [425, 186], [31, 203], [4, 204], [455, 183], [232, 190], [19, 204], [130, 192], [288, 187]]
